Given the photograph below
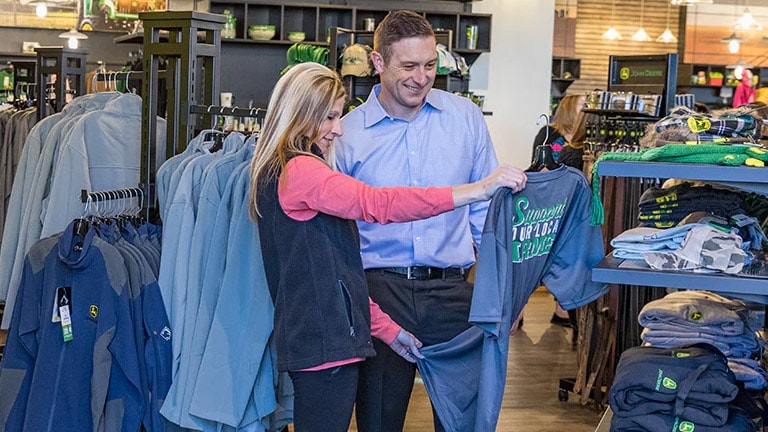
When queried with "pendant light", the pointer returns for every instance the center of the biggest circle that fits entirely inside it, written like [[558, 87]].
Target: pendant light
[[73, 38], [611, 33], [641, 35], [689, 2], [734, 43], [667, 36], [41, 10], [746, 21], [739, 67]]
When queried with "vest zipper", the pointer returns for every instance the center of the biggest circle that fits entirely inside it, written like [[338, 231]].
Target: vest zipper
[[348, 306]]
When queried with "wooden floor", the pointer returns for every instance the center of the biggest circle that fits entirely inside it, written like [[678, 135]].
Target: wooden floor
[[539, 355]]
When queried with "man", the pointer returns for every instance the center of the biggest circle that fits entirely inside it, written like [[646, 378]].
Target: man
[[409, 134]]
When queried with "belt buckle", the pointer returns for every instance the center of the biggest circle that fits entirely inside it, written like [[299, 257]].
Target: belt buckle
[[418, 273]]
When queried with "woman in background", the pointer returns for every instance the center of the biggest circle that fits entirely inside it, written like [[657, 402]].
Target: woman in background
[[560, 132]]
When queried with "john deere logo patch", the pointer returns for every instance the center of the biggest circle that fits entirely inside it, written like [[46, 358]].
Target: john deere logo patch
[[624, 73], [669, 383], [698, 124], [94, 310], [686, 426], [696, 316]]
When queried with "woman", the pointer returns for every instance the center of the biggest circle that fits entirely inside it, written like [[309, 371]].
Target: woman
[[560, 132], [323, 316], [744, 93]]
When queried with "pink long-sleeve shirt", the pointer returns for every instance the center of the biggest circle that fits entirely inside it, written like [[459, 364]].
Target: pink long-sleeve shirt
[[307, 186]]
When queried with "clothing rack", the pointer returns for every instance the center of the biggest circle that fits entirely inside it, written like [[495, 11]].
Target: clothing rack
[[137, 77], [209, 115]]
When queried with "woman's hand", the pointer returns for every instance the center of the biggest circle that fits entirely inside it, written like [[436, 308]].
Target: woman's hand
[[503, 176], [407, 346]]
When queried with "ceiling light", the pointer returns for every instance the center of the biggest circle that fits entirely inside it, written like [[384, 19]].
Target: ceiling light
[[73, 37], [641, 35], [667, 36], [41, 10], [611, 33], [690, 2], [739, 67], [747, 22], [734, 43]]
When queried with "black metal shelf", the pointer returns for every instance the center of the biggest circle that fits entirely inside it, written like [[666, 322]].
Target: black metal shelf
[[620, 113], [272, 42], [636, 272], [743, 177]]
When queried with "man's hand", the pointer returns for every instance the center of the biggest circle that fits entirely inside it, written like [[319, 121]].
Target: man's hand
[[407, 346]]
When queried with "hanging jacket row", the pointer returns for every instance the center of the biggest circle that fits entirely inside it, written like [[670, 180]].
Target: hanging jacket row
[[94, 143], [215, 293]]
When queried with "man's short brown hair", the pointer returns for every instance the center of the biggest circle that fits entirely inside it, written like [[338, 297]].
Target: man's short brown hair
[[397, 25]]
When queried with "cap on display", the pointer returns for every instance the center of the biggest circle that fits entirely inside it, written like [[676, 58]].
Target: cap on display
[[356, 61]]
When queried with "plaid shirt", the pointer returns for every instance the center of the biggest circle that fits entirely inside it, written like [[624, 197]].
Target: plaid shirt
[[708, 127]]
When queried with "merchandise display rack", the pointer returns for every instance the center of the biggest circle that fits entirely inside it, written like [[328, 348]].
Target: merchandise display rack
[[626, 274], [617, 271]]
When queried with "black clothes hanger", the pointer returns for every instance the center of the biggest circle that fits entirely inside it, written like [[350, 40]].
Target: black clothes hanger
[[544, 156]]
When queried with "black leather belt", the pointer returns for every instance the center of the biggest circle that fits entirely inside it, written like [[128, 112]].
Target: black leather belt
[[424, 272]]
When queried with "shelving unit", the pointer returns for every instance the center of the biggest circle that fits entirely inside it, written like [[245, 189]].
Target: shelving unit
[[630, 272], [63, 69], [315, 19], [645, 74], [713, 92], [263, 60], [635, 274], [360, 87], [564, 72]]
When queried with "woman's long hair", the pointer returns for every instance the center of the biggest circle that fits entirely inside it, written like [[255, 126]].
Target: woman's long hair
[[301, 100], [568, 114]]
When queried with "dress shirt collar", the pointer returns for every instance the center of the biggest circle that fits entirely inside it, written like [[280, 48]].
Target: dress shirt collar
[[374, 112]]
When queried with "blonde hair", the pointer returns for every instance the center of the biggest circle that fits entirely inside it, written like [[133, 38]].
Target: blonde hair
[[568, 113], [301, 100]]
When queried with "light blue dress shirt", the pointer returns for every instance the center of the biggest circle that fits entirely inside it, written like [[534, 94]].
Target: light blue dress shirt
[[446, 143]]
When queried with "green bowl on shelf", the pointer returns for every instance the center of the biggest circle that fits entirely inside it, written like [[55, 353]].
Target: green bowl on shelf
[[261, 32], [296, 36]]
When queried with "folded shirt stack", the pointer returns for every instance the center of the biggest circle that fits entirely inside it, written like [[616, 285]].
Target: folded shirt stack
[[664, 208], [690, 317], [684, 388], [632, 243]]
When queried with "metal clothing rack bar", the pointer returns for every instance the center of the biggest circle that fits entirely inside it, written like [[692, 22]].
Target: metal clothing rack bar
[[129, 75], [229, 111], [108, 195]]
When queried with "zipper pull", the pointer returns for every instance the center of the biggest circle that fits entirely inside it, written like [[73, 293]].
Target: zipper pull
[[351, 331]]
